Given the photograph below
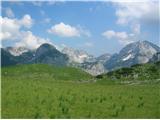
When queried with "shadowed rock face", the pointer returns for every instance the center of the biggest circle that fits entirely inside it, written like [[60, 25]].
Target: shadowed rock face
[[155, 58], [7, 58], [18, 55], [48, 54]]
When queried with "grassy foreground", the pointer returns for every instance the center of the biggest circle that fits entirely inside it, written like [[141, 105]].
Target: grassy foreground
[[42, 91]]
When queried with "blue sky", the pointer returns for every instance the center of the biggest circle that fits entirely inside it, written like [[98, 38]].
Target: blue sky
[[96, 27]]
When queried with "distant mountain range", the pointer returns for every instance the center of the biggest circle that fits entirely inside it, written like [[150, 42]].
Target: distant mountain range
[[134, 53]]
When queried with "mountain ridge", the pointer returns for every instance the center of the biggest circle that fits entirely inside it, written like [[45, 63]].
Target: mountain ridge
[[135, 53]]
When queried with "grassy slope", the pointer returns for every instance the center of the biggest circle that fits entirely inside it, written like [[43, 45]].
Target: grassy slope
[[42, 71], [143, 72], [42, 91]]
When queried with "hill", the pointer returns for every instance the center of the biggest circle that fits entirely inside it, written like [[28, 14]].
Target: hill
[[44, 72], [148, 71]]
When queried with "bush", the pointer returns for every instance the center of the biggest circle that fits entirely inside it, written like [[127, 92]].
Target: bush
[[99, 76]]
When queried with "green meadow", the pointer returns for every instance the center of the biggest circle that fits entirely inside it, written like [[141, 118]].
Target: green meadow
[[43, 91]]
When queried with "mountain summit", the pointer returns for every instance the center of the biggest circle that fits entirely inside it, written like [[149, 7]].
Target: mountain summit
[[134, 53], [48, 54], [77, 56]]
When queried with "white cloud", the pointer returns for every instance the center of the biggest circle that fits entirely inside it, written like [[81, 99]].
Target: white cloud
[[143, 11], [109, 34], [64, 30], [122, 37], [133, 13], [26, 21], [10, 28], [31, 41], [9, 12]]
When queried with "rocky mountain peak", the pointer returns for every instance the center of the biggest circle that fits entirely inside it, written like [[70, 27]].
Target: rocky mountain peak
[[77, 56], [48, 54], [16, 51], [134, 53]]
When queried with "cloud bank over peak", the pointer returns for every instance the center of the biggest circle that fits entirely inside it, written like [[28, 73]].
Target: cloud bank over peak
[[122, 37], [29, 40], [12, 30]]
